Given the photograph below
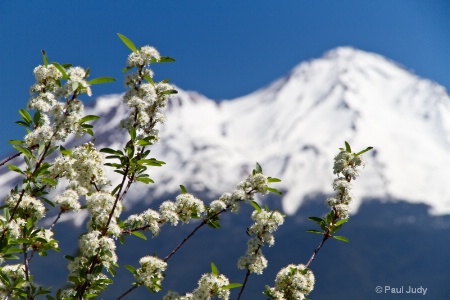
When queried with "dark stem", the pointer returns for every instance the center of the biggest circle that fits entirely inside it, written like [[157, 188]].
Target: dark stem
[[247, 275], [10, 158], [127, 292], [26, 271], [105, 230], [56, 220], [205, 221], [325, 237]]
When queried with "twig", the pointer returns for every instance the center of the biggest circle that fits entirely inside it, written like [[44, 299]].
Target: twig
[[243, 284], [325, 237], [127, 292], [10, 158], [205, 221]]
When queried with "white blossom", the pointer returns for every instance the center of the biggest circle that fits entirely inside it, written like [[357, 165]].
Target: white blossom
[[150, 274], [211, 285], [293, 282]]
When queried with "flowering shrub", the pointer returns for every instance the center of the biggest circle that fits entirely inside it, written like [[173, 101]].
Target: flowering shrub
[[80, 173]]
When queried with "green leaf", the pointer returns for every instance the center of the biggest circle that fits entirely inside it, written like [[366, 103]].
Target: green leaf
[[131, 269], [25, 115], [37, 117], [314, 231], [272, 179], [256, 206], [213, 224], [364, 151], [143, 143], [340, 222], [139, 235], [75, 85], [61, 69], [127, 42], [25, 151], [170, 92], [90, 295], [183, 189], [65, 151], [48, 180], [16, 142], [132, 132], [88, 118], [100, 80], [151, 162], [114, 191], [162, 59], [14, 250], [88, 131], [86, 74], [150, 80], [145, 180], [214, 270], [48, 202], [340, 238], [317, 220], [23, 241], [22, 123], [231, 286], [347, 148], [258, 168], [15, 169], [275, 191], [126, 69], [44, 57], [111, 151]]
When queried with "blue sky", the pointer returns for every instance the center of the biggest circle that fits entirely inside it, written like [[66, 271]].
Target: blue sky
[[223, 49]]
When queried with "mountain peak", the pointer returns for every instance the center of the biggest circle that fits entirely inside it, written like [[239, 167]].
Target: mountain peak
[[344, 52], [295, 126]]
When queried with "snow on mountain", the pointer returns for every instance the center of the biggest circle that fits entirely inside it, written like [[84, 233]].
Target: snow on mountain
[[294, 127]]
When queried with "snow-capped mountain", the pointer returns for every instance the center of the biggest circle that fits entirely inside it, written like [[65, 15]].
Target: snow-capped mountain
[[294, 127]]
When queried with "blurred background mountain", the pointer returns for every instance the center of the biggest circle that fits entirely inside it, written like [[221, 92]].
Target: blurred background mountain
[[399, 232]]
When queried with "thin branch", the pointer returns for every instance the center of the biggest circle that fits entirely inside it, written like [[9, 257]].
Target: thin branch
[[127, 292], [56, 220], [247, 275], [325, 237], [205, 221], [10, 158]]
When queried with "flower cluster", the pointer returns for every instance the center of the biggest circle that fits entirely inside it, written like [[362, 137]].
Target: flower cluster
[[12, 228], [100, 206], [292, 282], [84, 169], [145, 100], [14, 275], [210, 285], [142, 57], [266, 222], [93, 245], [29, 206], [68, 200], [150, 274], [149, 219], [347, 163], [60, 111], [244, 192], [184, 208], [346, 166]]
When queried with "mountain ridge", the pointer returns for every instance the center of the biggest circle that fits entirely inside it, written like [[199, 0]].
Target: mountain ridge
[[294, 126]]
